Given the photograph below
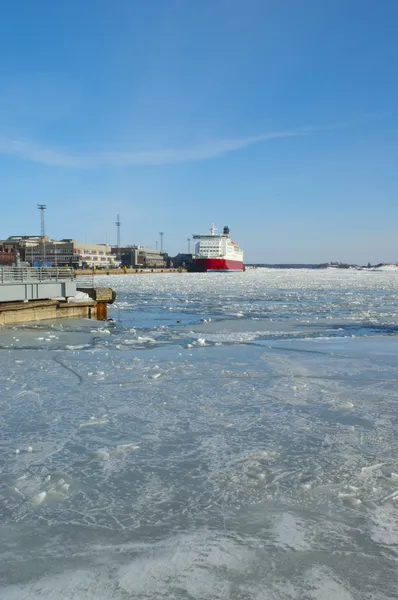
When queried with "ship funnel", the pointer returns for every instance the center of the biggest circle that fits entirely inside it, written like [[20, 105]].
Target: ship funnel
[[226, 230]]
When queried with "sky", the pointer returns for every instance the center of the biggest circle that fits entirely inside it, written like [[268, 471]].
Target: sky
[[275, 117]]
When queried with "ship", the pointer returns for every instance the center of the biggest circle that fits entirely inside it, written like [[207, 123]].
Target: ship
[[216, 252]]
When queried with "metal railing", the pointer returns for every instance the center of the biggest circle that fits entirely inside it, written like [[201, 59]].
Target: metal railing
[[9, 275], [85, 282]]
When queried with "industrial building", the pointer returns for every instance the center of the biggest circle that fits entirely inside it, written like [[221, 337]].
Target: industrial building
[[139, 257]]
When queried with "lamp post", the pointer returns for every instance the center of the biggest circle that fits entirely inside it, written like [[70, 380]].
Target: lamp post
[[42, 208]]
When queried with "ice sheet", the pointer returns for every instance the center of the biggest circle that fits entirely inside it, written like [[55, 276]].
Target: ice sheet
[[261, 464]]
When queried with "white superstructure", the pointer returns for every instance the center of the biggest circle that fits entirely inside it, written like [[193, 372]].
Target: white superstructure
[[214, 245]]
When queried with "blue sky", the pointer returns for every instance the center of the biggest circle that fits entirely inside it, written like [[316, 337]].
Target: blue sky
[[276, 117]]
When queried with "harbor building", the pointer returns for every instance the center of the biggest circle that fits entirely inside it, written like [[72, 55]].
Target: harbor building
[[140, 257], [17, 246], [69, 252], [38, 251], [8, 253], [183, 260]]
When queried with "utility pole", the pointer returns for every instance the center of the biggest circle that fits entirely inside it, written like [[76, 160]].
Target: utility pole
[[42, 208], [161, 233], [118, 225], [189, 245]]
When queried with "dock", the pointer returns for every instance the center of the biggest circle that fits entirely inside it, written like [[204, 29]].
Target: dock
[[35, 294], [130, 271]]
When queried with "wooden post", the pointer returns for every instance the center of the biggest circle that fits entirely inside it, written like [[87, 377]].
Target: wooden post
[[102, 311]]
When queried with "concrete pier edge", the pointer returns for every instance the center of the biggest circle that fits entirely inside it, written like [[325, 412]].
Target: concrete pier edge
[[13, 313]]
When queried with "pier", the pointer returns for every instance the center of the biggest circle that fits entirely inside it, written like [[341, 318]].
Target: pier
[[26, 283], [130, 271], [30, 294]]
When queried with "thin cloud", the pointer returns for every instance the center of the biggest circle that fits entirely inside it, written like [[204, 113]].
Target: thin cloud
[[50, 156]]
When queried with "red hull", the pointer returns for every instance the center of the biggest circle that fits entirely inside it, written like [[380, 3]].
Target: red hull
[[205, 265]]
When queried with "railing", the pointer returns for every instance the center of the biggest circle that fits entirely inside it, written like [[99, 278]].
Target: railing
[[9, 275], [85, 282]]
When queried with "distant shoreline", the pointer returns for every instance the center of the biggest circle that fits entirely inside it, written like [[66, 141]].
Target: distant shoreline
[[336, 266]]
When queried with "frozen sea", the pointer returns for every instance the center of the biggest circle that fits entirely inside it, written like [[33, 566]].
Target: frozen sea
[[227, 436]]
